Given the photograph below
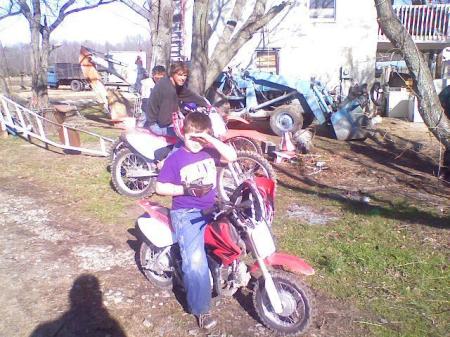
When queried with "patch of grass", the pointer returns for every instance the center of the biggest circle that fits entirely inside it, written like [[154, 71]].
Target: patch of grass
[[82, 180], [379, 263], [378, 258]]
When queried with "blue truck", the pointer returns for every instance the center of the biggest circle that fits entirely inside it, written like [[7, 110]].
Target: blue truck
[[66, 74]]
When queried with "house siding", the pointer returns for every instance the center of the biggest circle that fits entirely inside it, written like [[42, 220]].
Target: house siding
[[310, 48]]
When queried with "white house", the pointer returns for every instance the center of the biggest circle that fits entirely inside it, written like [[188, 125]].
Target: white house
[[318, 38]]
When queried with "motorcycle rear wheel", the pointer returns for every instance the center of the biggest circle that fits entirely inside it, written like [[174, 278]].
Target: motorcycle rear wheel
[[147, 255], [247, 166], [114, 149], [297, 302], [136, 187], [241, 143]]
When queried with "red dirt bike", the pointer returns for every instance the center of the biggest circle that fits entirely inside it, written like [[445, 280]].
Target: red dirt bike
[[239, 229]]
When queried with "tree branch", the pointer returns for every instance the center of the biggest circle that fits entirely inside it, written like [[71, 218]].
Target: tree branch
[[224, 52], [25, 10], [9, 11], [232, 22], [62, 12], [144, 12]]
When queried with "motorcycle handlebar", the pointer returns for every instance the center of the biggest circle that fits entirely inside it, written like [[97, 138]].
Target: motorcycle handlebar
[[215, 212]]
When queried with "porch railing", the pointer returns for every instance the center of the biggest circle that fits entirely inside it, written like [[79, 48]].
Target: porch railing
[[425, 23]]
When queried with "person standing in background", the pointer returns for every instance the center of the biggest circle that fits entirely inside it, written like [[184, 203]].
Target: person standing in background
[[140, 71], [147, 84]]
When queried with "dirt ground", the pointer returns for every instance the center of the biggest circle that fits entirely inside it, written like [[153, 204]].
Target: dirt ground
[[62, 273]]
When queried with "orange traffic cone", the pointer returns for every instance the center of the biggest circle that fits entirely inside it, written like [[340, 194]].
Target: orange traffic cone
[[286, 143]]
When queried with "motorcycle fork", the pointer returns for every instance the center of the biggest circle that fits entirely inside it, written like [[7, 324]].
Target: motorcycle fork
[[269, 285], [233, 173]]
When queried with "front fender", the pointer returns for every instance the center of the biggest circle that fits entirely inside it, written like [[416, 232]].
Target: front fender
[[287, 262]]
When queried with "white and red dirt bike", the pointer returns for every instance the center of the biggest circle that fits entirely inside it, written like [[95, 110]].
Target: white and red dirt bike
[[238, 232], [136, 152]]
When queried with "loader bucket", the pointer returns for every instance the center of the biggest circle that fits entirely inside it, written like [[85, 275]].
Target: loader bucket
[[350, 122]]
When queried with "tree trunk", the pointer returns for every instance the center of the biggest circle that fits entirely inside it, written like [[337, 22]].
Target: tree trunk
[[3, 84], [429, 106], [199, 48], [42, 89], [161, 30], [35, 25], [205, 68]]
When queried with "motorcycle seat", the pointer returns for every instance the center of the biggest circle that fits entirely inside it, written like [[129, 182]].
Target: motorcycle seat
[[156, 211], [169, 139]]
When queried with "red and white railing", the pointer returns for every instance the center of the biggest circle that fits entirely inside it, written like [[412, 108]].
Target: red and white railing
[[426, 23]]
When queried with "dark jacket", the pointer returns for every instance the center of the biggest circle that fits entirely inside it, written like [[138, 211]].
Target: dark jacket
[[164, 100]]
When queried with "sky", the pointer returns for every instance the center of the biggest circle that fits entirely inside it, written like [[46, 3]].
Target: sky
[[112, 23]]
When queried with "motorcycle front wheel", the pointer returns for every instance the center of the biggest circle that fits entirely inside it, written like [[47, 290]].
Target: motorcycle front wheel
[[248, 165], [296, 300], [156, 268], [132, 175]]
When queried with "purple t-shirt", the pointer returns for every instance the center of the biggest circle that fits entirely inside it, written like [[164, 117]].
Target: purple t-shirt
[[183, 166]]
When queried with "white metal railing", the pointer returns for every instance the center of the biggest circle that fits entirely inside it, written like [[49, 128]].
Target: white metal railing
[[425, 23], [28, 123]]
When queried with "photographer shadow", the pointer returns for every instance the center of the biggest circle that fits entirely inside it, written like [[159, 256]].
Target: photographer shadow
[[86, 316]]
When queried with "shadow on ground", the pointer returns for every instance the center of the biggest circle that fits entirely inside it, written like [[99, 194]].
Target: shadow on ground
[[87, 316]]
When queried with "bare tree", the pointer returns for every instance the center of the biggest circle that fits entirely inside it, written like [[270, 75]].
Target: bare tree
[[428, 101], [160, 18], [3, 84], [38, 14], [207, 66]]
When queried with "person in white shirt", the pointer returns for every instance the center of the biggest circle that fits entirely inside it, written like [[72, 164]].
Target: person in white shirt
[[147, 84]]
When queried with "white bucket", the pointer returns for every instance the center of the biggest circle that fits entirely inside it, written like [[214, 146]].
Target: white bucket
[[129, 122]]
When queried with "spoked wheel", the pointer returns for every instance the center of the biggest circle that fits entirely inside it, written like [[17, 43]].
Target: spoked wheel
[[132, 175], [116, 146], [241, 143], [156, 265], [247, 166], [297, 303]]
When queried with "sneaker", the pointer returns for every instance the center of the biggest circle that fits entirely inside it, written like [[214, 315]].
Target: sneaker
[[206, 321]]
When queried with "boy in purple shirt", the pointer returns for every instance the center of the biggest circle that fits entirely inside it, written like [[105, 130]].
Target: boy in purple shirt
[[189, 176]]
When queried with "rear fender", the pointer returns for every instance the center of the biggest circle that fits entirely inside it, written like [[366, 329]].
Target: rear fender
[[155, 225], [286, 262], [236, 119], [157, 232], [256, 135], [156, 211], [146, 143]]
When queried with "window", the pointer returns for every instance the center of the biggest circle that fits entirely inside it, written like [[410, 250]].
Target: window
[[267, 60], [322, 10]]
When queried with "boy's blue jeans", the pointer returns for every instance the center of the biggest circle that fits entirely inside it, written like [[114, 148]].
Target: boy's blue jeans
[[189, 226], [162, 131]]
